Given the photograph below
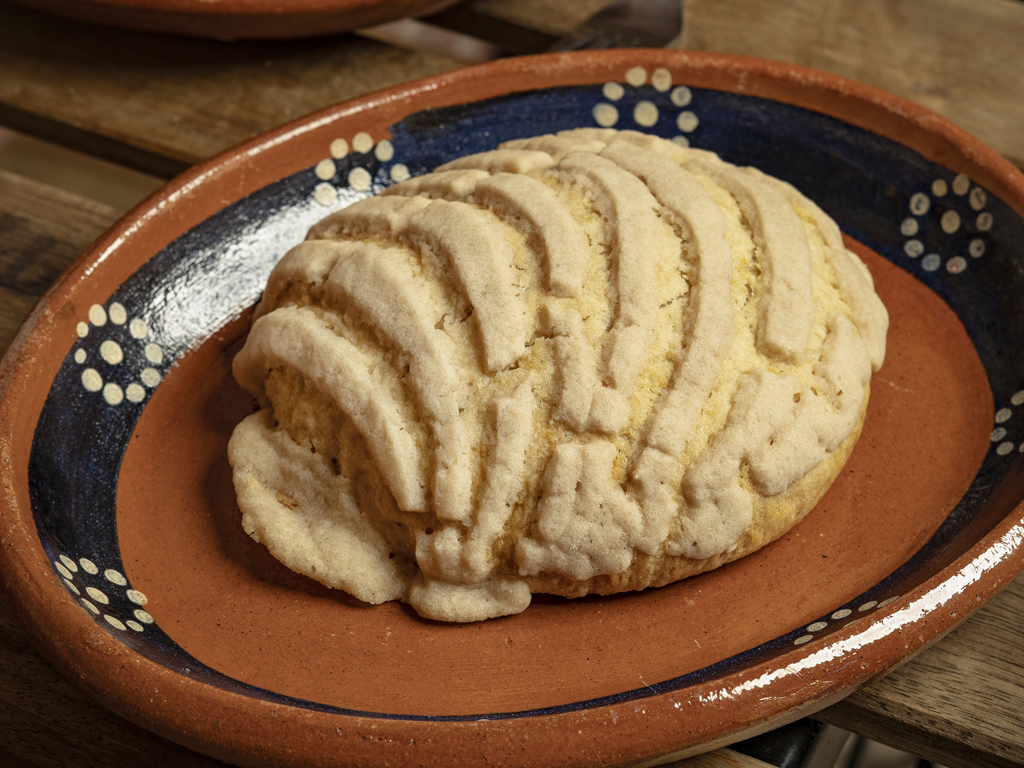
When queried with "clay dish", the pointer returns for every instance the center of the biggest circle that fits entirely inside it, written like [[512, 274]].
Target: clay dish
[[123, 558], [240, 19]]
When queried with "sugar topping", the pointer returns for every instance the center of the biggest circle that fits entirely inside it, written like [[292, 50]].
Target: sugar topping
[[545, 366]]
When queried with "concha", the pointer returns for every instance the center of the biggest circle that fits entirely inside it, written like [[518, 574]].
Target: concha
[[581, 363]]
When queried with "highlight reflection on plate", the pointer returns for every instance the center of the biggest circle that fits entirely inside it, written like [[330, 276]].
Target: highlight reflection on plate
[[121, 403]]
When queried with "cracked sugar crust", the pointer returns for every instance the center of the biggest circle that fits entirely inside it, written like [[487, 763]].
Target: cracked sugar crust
[[589, 362]]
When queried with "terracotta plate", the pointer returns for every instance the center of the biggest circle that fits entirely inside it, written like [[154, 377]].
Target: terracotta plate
[[121, 539], [241, 19]]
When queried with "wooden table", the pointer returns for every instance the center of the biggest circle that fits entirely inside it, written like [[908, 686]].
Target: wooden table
[[160, 104]]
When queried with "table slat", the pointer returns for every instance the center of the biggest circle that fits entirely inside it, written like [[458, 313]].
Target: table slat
[[961, 58]]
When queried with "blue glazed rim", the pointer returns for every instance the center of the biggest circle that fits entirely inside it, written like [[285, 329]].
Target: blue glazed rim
[[884, 194]]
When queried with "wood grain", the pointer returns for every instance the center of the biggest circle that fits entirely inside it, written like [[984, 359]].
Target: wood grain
[[962, 58], [159, 103]]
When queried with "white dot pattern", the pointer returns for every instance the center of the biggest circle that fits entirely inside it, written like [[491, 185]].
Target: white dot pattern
[[613, 91], [687, 122], [645, 113], [605, 115], [636, 76], [362, 142], [681, 96], [339, 148], [359, 179], [94, 596], [325, 170], [112, 353], [118, 315], [661, 79], [325, 194]]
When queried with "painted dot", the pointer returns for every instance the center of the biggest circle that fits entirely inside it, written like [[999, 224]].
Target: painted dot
[[63, 571], [384, 151], [804, 639], [339, 148], [931, 262], [362, 142], [613, 91], [956, 265], [325, 194], [1017, 398], [359, 179], [1003, 415], [80, 356], [325, 170], [909, 227], [135, 393], [984, 221], [961, 184], [118, 315], [399, 172], [868, 606], [1004, 448], [939, 187], [998, 434], [919, 204], [977, 198], [89, 566], [645, 114], [91, 607], [913, 248], [817, 626], [150, 377], [97, 315], [97, 595], [92, 380], [661, 79], [112, 393], [636, 76], [887, 601], [142, 616], [111, 352], [72, 587], [687, 122], [681, 96], [976, 248], [154, 353], [842, 613], [82, 329], [682, 141], [137, 597], [950, 222], [115, 577], [115, 623], [138, 329], [605, 115], [134, 625], [69, 563]]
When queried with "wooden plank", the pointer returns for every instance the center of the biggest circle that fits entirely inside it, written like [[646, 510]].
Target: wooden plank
[[961, 702], [962, 58], [159, 103], [42, 230]]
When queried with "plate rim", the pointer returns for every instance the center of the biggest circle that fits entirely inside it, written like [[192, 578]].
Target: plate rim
[[38, 601]]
